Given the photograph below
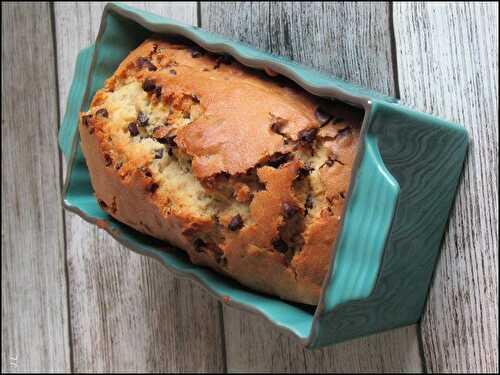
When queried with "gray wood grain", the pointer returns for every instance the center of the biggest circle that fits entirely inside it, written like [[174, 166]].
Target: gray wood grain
[[447, 57], [254, 345], [34, 296], [351, 41], [128, 313]]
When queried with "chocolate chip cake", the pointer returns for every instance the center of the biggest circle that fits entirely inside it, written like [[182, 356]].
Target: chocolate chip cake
[[247, 173]]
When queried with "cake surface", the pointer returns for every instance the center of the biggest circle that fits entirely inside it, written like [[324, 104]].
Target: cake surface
[[246, 173]]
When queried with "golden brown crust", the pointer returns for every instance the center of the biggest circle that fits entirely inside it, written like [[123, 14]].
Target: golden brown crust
[[245, 173]]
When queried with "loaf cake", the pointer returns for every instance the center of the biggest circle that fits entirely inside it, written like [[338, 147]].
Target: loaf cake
[[245, 172]]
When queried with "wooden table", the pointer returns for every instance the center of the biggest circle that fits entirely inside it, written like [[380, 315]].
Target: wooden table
[[75, 300]]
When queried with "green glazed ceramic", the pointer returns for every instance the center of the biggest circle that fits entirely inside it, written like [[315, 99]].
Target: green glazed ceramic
[[402, 188]]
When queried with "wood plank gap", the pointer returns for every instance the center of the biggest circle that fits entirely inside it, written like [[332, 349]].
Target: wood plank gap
[[34, 324], [223, 337], [61, 185], [198, 14], [394, 54]]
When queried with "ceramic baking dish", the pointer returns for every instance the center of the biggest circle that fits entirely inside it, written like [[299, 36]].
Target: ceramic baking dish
[[402, 188]]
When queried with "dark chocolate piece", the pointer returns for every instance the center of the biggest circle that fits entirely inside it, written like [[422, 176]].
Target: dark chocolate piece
[[107, 160], [148, 85], [307, 136], [289, 210], [236, 223], [132, 128], [142, 119], [280, 245]]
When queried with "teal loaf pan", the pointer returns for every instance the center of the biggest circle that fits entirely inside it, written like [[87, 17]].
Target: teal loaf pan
[[402, 188]]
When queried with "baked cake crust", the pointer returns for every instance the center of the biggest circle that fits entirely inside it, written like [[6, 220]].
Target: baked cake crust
[[246, 173]]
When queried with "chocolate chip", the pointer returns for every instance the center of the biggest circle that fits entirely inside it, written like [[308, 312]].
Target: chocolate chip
[[140, 62], [158, 92], [170, 141], [118, 165], [160, 133], [152, 187], [142, 119], [102, 112], [159, 153], [308, 135], [280, 245], [236, 223], [277, 159], [132, 128], [86, 120], [172, 71], [309, 202], [146, 171], [143, 62], [304, 171], [199, 244], [336, 120], [322, 115], [289, 210], [195, 98], [170, 151], [107, 160], [342, 194], [148, 85]]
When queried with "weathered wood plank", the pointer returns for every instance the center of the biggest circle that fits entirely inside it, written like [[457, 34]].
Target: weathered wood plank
[[351, 41], [34, 296], [253, 345], [447, 56], [127, 312]]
